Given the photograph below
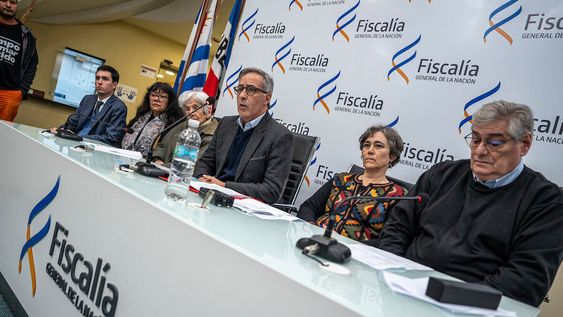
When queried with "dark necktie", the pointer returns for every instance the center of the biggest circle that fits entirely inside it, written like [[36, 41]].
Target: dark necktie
[[98, 106]]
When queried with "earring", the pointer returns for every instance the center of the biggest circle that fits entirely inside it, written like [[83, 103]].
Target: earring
[[390, 165]]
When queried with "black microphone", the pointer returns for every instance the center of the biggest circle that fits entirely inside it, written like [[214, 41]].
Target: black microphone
[[146, 169], [330, 249], [209, 101], [65, 133]]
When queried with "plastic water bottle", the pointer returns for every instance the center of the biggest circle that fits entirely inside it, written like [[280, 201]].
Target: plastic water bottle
[[183, 163]]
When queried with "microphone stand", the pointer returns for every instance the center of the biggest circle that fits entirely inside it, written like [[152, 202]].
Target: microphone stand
[[65, 133], [329, 248], [149, 169]]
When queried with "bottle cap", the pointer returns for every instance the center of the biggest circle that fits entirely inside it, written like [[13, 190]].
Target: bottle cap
[[193, 123]]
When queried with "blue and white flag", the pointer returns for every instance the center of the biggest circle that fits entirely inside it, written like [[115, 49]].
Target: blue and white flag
[[194, 78], [221, 59]]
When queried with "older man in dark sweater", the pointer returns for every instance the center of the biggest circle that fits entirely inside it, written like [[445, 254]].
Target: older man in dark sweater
[[250, 153], [489, 219]]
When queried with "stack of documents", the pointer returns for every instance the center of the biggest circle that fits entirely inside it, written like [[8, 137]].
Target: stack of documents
[[383, 260], [248, 204], [416, 288]]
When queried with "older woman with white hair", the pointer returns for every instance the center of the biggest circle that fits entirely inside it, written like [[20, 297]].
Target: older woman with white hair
[[191, 101]]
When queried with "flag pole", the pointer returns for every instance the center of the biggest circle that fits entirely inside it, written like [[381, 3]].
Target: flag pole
[[222, 78], [202, 18]]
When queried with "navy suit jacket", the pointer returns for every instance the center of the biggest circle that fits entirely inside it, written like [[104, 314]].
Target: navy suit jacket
[[265, 163], [108, 125]]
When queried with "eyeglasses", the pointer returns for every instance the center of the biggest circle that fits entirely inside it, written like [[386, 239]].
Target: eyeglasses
[[250, 90], [159, 97], [490, 144]]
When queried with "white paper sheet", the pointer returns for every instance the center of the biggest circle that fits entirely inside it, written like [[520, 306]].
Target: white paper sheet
[[417, 288], [197, 185], [248, 204], [383, 260], [112, 150], [261, 210]]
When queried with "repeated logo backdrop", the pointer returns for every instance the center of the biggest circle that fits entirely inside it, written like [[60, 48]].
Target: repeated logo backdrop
[[423, 67]]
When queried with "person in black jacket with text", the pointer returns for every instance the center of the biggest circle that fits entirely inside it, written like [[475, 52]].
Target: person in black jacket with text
[[18, 60]]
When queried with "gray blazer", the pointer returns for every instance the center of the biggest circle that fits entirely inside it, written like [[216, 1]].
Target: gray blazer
[[264, 166]]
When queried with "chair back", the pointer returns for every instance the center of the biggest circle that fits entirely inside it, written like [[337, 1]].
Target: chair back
[[355, 169], [303, 150]]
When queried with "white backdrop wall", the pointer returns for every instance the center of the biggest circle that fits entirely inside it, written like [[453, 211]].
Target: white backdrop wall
[[422, 66]]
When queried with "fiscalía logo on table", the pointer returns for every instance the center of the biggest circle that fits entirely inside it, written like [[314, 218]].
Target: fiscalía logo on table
[[31, 241], [260, 30], [496, 23], [79, 273]]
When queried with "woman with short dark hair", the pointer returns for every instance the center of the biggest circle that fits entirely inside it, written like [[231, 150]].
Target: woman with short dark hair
[[360, 220]]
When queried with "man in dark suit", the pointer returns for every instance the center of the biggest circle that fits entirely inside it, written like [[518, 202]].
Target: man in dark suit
[[100, 117], [250, 153]]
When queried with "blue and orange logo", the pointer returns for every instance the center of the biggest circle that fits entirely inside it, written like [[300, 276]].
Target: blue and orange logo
[[467, 116], [322, 93], [31, 241], [271, 107], [393, 123], [231, 81], [497, 26], [313, 162], [281, 54], [347, 16], [247, 24], [297, 3], [397, 66]]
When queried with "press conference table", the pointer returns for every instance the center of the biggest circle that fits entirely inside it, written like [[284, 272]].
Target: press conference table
[[162, 258]]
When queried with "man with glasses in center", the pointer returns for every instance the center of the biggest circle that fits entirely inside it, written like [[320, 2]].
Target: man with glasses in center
[[490, 219], [250, 153]]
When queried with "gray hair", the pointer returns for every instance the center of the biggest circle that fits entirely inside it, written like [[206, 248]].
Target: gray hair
[[519, 117], [394, 140], [199, 97], [268, 80]]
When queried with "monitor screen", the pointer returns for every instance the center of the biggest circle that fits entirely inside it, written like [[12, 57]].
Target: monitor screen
[[74, 76]]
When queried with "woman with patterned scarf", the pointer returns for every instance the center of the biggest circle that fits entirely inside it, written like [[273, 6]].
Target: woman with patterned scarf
[[360, 219]]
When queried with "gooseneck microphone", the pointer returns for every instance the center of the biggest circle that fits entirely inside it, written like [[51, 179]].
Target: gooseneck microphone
[[209, 102], [148, 169], [328, 248], [65, 133]]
